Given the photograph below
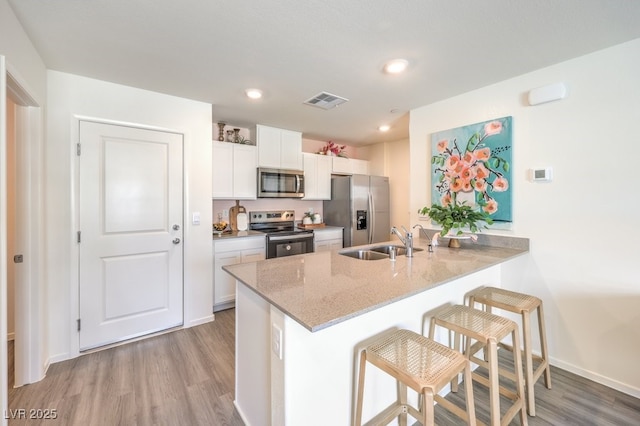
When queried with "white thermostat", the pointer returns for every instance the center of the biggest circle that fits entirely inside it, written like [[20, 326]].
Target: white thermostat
[[544, 174]]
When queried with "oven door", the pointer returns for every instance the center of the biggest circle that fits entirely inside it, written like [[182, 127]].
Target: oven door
[[289, 245]]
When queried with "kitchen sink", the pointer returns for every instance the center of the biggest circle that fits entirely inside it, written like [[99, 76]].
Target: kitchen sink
[[400, 250], [377, 252], [364, 254]]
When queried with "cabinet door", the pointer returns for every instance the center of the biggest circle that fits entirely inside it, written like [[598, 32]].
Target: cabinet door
[[253, 255], [323, 177], [359, 167], [321, 246], [268, 141], [290, 150], [222, 168], [224, 287], [341, 165], [310, 167], [244, 172]]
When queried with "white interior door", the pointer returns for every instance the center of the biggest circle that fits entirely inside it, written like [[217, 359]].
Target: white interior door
[[131, 256]]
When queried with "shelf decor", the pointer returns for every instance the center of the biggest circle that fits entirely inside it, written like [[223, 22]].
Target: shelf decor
[[333, 149]]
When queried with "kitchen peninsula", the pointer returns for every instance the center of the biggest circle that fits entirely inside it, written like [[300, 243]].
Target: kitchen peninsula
[[302, 320]]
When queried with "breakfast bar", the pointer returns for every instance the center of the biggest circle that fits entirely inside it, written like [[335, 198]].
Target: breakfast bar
[[302, 320]]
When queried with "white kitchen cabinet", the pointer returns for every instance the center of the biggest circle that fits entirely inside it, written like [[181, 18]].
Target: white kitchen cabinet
[[279, 148], [327, 239], [234, 171], [232, 251], [317, 176], [350, 166]]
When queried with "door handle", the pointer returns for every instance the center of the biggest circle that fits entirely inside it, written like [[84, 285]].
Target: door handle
[[176, 227], [176, 241]]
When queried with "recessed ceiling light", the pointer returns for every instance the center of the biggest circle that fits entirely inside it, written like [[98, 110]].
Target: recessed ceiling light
[[396, 66], [384, 128], [253, 93]]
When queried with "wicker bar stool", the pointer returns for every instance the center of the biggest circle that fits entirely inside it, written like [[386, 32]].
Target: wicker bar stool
[[487, 330], [423, 365], [524, 305]]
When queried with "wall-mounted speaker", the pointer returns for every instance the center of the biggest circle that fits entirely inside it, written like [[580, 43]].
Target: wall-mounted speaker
[[552, 92]]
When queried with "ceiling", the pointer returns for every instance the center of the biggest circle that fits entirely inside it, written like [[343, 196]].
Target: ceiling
[[213, 50]]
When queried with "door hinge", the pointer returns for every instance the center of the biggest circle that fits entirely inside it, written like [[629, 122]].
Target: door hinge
[[18, 258], [79, 237], [78, 149], [79, 323]]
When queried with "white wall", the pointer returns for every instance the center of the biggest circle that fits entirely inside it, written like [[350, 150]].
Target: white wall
[[582, 225], [70, 96]]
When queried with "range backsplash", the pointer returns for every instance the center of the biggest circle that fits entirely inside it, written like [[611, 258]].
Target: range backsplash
[[300, 206]]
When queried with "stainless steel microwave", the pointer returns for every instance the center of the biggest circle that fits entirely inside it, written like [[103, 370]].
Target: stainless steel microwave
[[279, 183]]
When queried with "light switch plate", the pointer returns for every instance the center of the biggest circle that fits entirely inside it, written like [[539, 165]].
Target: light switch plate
[[196, 218]]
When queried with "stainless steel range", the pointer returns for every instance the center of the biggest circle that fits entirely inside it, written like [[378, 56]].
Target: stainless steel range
[[283, 238]]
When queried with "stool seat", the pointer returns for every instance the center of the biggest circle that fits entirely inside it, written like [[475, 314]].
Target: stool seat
[[487, 330], [523, 305], [422, 364]]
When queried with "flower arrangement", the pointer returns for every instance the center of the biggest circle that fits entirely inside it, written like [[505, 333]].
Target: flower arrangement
[[333, 149]]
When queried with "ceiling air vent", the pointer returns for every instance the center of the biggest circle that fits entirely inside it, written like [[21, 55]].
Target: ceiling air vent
[[325, 100]]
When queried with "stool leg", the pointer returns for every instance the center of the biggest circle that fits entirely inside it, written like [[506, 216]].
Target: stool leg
[[517, 361], [402, 400], [494, 382], [457, 337], [543, 346], [363, 361], [468, 389], [528, 360], [428, 417]]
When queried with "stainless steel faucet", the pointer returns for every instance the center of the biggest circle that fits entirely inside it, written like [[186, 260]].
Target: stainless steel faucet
[[423, 232], [407, 240]]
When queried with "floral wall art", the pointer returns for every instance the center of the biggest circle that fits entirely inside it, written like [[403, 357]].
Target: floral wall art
[[472, 164]]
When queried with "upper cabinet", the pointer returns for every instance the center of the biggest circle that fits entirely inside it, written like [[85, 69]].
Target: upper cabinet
[[350, 166], [279, 148], [234, 171], [317, 176]]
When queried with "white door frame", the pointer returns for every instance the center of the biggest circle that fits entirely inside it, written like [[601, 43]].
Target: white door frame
[[4, 377], [30, 334]]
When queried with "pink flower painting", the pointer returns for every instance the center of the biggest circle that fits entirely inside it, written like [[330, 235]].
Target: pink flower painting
[[472, 164]]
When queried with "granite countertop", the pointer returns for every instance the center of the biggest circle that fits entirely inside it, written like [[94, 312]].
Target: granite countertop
[[321, 289], [237, 234]]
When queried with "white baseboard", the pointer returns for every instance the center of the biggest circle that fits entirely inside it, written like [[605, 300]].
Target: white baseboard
[[199, 321], [598, 378], [242, 416]]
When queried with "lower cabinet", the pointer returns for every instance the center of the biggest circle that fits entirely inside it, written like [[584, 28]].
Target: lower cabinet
[[327, 239], [231, 252]]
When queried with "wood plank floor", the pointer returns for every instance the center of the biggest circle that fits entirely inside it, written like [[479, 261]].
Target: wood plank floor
[[187, 378]]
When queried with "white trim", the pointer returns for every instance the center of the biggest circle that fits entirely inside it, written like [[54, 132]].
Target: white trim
[[4, 377], [598, 378]]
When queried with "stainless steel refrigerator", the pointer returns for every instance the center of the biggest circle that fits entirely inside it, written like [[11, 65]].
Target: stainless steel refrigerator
[[360, 204]]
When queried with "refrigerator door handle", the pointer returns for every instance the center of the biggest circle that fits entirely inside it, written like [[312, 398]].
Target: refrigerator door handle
[[372, 213]]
